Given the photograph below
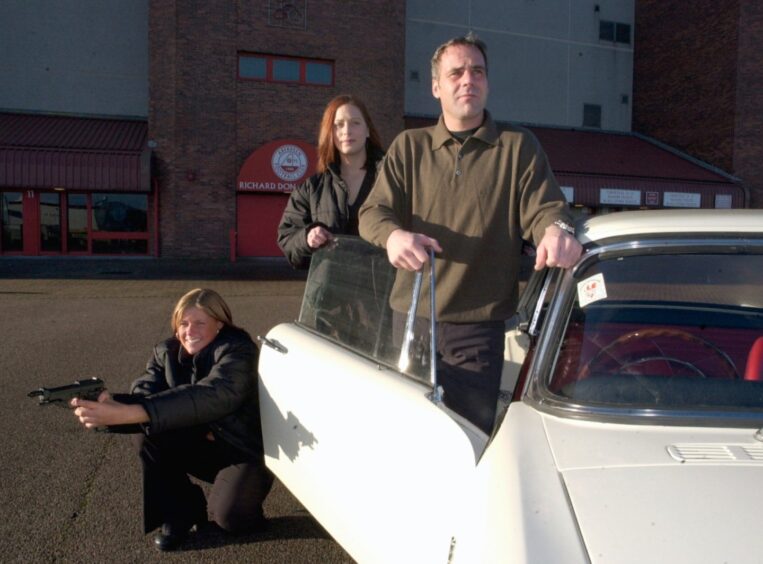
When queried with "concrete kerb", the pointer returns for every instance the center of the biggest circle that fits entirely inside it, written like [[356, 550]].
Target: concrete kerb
[[148, 268]]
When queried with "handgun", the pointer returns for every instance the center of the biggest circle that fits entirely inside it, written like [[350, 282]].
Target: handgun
[[88, 389]]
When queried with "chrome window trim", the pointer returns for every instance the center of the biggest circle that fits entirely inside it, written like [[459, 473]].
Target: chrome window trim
[[544, 360]]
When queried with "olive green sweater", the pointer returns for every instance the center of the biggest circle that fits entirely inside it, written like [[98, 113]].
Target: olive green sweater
[[479, 200]]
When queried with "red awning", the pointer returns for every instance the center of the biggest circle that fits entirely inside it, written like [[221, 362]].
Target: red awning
[[629, 170], [44, 152]]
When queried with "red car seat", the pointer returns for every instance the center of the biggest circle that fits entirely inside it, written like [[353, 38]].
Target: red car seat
[[754, 369]]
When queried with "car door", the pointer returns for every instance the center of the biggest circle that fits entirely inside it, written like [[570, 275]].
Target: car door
[[382, 467]]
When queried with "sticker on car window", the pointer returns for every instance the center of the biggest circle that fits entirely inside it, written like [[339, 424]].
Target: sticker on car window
[[591, 290]]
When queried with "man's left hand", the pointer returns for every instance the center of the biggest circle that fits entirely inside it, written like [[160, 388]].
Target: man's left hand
[[557, 248]]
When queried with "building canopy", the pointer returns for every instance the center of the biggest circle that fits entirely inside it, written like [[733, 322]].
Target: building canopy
[[75, 153]]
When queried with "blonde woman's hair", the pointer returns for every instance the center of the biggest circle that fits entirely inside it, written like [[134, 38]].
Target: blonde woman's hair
[[209, 301]]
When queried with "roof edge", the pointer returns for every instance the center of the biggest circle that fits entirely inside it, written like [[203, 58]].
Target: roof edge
[[688, 157], [71, 115]]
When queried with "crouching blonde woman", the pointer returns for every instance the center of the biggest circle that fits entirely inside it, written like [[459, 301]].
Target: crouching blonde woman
[[195, 412]]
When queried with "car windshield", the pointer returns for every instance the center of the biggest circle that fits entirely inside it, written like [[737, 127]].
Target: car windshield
[[665, 332], [347, 301]]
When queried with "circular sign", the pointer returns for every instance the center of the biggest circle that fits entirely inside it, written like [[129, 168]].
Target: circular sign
[[289, 162]]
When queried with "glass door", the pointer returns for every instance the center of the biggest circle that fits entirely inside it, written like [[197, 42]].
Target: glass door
[[77, 228], [50, 222], [12, 209]]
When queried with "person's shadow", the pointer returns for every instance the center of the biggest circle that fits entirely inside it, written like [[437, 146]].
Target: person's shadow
[[277, 528]]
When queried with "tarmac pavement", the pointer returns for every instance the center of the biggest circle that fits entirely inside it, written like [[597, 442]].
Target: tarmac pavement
[[70, 495]]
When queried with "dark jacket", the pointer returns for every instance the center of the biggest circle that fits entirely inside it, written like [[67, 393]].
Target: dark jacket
[[216, 388], [321, 200]]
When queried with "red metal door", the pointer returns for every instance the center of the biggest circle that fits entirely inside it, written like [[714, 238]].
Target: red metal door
[[257, 219]]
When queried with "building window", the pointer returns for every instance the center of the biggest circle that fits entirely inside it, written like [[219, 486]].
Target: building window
[[294, 70], [319, 73], [591, 115], [254, 68], [286, 70], [119, 224], [12, 212], [76, 220], [120, 212], [616, 32], [50, 222], [74, 223]]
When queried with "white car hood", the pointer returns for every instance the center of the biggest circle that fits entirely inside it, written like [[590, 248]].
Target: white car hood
[[662, 494]]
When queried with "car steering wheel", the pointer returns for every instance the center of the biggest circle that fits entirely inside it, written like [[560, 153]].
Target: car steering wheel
[[651, 335]]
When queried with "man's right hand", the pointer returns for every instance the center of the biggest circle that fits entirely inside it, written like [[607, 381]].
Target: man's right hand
[[409, 251]]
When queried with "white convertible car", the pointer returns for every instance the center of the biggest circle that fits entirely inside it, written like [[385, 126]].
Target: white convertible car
[[629, 423]]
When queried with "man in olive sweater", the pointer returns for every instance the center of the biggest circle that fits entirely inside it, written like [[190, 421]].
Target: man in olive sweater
[[472, 193]]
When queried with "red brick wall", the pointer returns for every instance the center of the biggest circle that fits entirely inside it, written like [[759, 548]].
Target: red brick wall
[[697, 82], [206, 122], [748, 142], [684, 84]]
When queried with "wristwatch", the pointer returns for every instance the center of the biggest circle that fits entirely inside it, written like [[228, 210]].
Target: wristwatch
[[564, 226]]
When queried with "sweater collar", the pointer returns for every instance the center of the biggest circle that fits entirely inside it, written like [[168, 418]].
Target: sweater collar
[[487, 132]]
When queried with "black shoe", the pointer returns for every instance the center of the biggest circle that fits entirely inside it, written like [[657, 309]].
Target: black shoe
[[171, 536]]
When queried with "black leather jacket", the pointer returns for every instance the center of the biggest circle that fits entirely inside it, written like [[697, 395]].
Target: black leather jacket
[[320, 200], [216, 388]]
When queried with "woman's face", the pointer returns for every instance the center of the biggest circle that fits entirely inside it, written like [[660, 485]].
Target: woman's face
[[197, 329], [350, 130]]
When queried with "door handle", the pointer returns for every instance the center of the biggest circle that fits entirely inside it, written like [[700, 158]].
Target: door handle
[[273, 344]]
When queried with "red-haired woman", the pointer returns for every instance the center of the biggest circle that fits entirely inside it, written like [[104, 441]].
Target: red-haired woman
[[328, 202]]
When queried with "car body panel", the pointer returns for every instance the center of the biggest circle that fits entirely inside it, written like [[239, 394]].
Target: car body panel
[[367, 446], [628, 422], [666, 507], [676, 222], [437, 496], [523, 504]]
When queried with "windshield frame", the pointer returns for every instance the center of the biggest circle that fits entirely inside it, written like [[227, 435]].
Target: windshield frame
[[543, 362]]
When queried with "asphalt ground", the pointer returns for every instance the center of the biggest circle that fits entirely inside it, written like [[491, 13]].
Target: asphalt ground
[[71, 495]]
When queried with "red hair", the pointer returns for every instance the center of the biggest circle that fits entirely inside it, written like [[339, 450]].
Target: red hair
[[327, 151]]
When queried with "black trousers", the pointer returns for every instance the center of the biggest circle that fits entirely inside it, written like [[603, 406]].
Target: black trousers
[[239, 484], [469, 368], [469, 364]]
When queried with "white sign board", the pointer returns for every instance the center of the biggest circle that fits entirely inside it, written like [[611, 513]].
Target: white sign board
[[681, 200], [723, 201], [619, 197]]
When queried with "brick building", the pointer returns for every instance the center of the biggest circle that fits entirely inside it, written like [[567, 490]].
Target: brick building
[[127, 127], [206, 117], [698, 82], [177, 129]]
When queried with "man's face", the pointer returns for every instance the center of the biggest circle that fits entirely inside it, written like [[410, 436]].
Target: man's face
[[461, 86]]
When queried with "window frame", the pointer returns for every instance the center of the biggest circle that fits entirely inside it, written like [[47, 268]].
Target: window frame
[[546, 353], [270, 62], [613, 32], [591, 111]]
